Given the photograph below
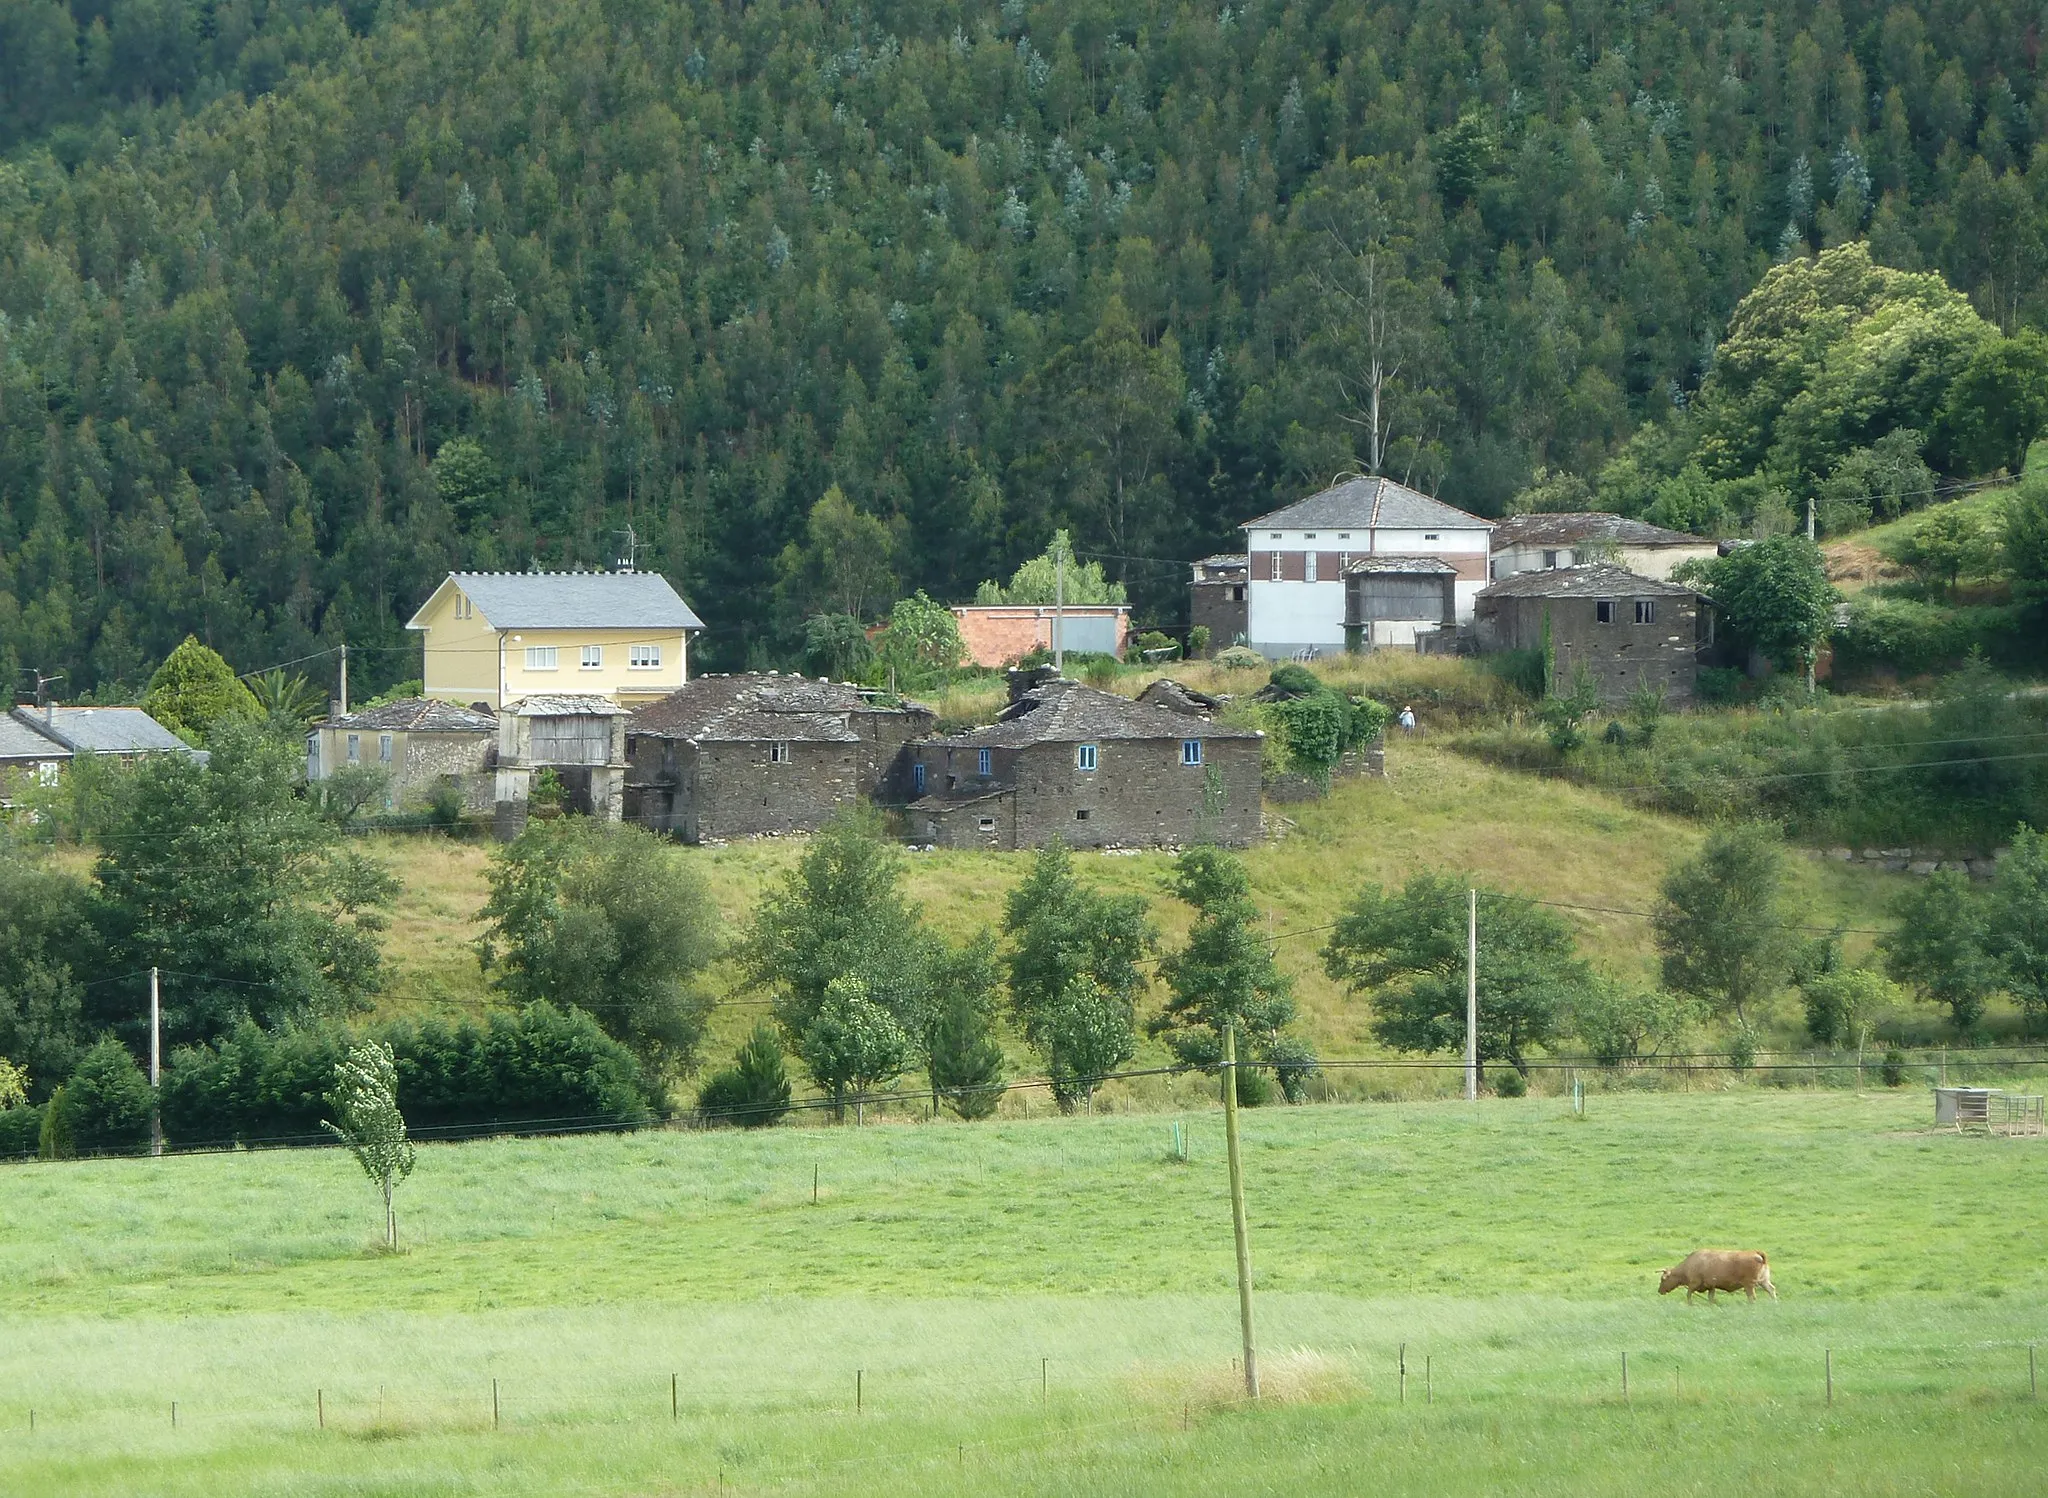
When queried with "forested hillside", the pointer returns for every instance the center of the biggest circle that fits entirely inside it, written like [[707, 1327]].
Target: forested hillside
[[301, 304]]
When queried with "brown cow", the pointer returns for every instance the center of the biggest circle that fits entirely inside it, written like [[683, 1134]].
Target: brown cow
[[1712, 1269]]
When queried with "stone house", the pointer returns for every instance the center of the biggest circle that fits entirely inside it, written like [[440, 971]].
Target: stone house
[[581, 737], [1299, 556], [1002, 634], [1541, 543], [38, 743], [738, 756], [496, 637], [1088, 767], [1216, 598], [420, 742], [1627, 631]]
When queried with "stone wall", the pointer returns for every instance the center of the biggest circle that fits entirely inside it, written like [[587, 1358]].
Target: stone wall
[[1228, 618], [1920, 861], [462, 758], [1620, 656]]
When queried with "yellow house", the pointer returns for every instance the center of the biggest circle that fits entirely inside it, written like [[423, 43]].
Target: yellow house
[[495, 637]]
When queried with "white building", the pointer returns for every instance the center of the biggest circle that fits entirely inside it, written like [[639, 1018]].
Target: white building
[[1544, 543], [1299, 555]]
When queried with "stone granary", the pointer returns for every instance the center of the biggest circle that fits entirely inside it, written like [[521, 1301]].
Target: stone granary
[[1090, 768], [1627, 631], [737, 756], [420, 742], [579, 736]]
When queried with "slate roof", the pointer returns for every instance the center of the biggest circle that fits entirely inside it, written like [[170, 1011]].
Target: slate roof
[[1179, 697], [103, 730], [418, 715], [1362, 503], [1587, 580], [753, 707], [571, 600], [1581, 526], [18, 741], [566, 705], [1400, 566], [1066, 712]]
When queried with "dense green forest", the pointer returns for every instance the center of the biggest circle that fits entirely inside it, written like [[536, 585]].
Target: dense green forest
[[301, 304]]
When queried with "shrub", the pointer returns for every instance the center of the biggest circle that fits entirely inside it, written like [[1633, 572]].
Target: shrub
[[754, 1091], [1254, 1087], [257, 1086], [53, 1139], [1240, 658], [21, 1131], [1152, 640], [106, 1101], [1198, 640], [1742, 1048], [1510, 1083], [1717, 686], [1894, 1069]]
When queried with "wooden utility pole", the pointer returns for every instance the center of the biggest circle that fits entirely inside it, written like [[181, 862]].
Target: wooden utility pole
[[156, 1117], [1059, 611], [1472, 996], [1237, 1223]]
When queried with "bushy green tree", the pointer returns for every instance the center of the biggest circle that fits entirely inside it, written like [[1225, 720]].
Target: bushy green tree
[[45, 938], [610, 920], [1060, 933], [1226, 973], [106, 1103], [365, 1099], [754, 1091], [1720, 924], [1841, 1006], [1039, 579], [1773, 595], [1626, 1027], [1941, 947], [1947, 545], [2017, 924], [836, 646], [1406, 950], [843, 565], [854, 1045], [1997, 404], [921, 644], [194, 689], [2023, 535], [963, 1057]]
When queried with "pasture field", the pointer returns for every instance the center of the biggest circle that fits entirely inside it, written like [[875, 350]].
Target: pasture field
[[1511, 1247]]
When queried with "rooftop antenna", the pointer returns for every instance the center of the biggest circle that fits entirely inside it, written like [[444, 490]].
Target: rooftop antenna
[[42, 690], [625, 563]]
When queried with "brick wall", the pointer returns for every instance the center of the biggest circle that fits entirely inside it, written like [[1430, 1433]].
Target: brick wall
[[1002, 635]]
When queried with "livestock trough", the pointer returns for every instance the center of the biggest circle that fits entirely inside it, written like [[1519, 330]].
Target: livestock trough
[[1991, 1109]]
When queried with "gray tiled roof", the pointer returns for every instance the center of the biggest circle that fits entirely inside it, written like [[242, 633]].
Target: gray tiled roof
[[575, 600], [1065, 712], [104, 730], [753, 707], [19, 742], [1587, 580], [1392, 565], [1581, 526], [1362, 503], [566, 705], [418, 715]]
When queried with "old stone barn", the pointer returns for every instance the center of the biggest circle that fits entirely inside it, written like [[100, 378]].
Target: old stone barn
[[738, 756], [1625, 630], [1088, 767]]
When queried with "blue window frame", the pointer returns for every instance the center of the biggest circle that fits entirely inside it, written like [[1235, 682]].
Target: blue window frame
[[917, 778], [1190, 751], [985, 762], [1084, 757]]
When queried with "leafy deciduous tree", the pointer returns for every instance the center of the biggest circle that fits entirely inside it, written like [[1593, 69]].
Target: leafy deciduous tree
[[365, 1097], [1719, 922]]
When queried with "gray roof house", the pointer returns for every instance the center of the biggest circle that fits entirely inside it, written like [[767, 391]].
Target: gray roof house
[[40, 741], [1087, 767], [1529, 543], [580, 736], [1626, 631], [741, 756], [420, 742]]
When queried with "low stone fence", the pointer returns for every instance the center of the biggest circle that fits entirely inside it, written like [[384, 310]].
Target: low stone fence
[[1920, 861]]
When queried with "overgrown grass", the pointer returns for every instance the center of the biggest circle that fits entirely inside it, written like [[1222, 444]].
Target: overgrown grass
[[1512, 1246]]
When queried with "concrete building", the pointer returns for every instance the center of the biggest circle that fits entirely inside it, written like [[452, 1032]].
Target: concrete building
[[1535, 543], [737, 756], [1002, 634], [496, 637], [1627, 631], [1390, 600], [580, 737], [1216, 598], [420, 742], [1298, 556], [1088, 767]]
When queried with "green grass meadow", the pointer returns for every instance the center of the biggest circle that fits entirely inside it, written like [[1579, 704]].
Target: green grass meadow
[[1047, 1305]]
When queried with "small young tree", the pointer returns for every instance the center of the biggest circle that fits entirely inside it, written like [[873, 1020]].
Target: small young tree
[[1625, 1028], [1942, 947], [1719, 924], [963, 1058], [853, 1045], [365, 1095], [13, 1085], [1089, 1036], [1842, 1005], [106, 1101], [754, 1091], [1226, 973], [1061, 932]]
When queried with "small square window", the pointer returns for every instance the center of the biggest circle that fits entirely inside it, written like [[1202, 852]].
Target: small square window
[[593, 657], [541, 657], [917, 778], [1190, 751], [1549, 561], [355, 748], [985, 762], [46, 772], [1343, 535], [1308, 535], [1081, 815], [384, 747], [988, 824], [1237, 595], [644, 657], [1429, 535], [1604, 611], [778, 754], [1084, 757], [1646, 611]]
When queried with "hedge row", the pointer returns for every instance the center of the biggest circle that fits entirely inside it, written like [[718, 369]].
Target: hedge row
[[1913, 637]]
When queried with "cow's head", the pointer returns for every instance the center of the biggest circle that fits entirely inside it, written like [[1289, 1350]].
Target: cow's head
[[1670, 1280]]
